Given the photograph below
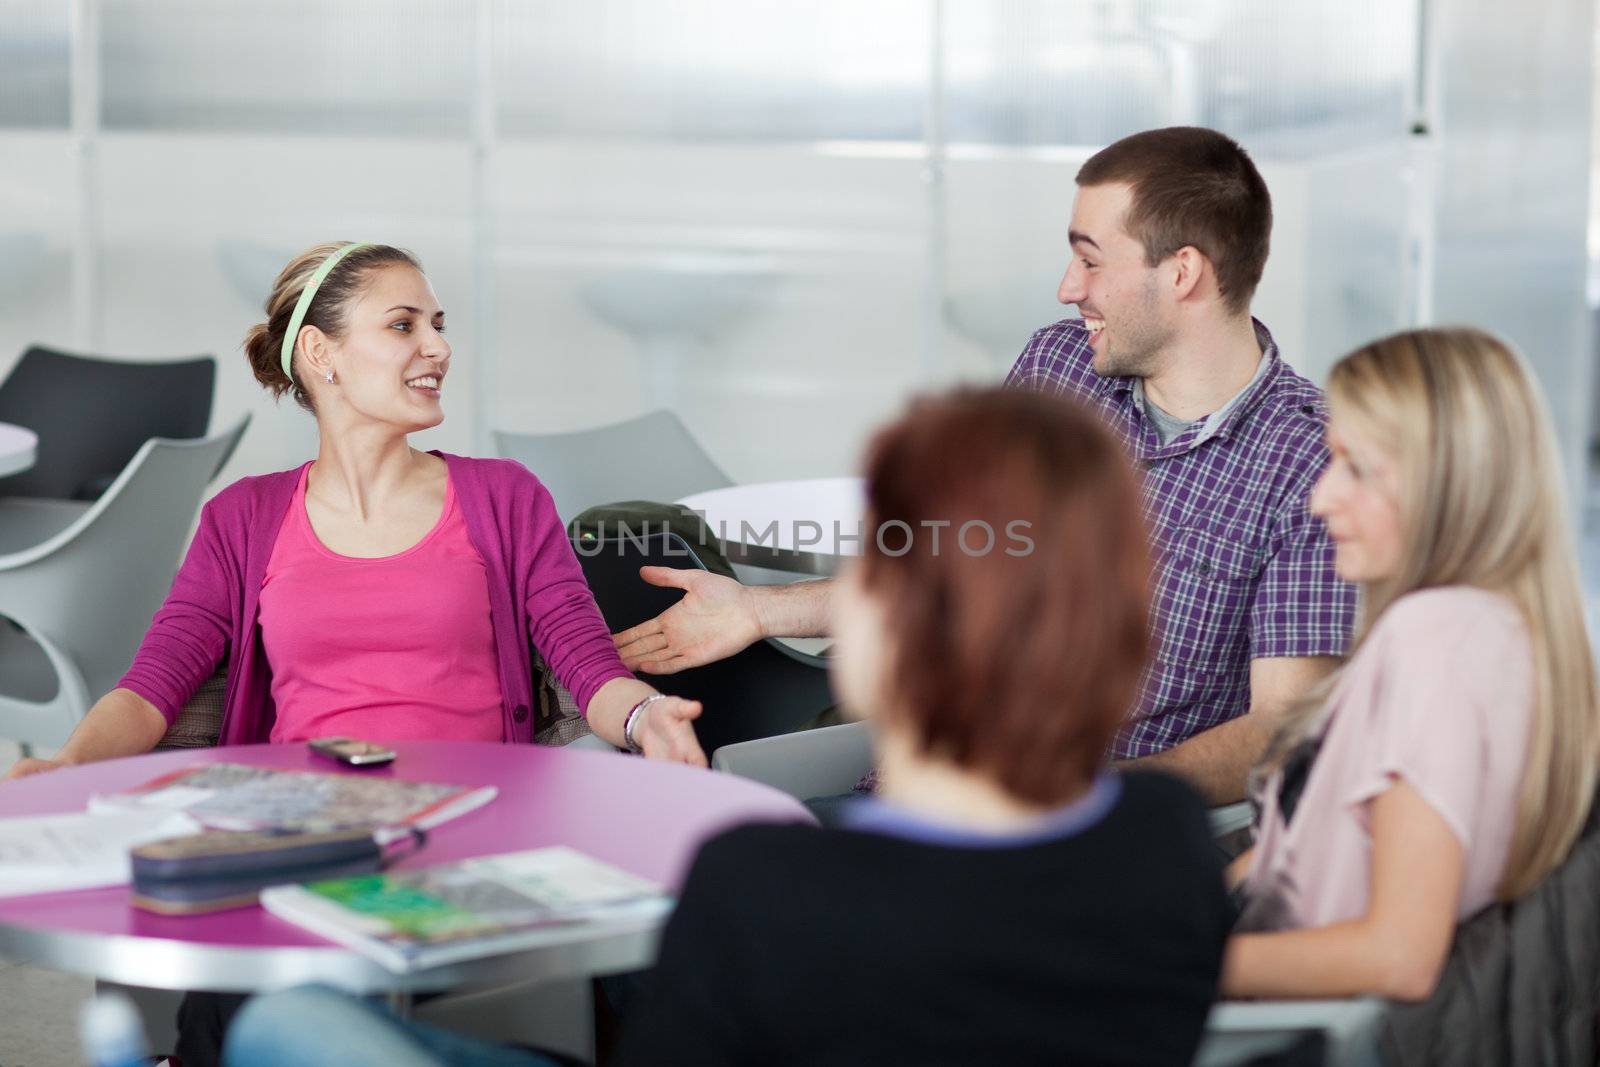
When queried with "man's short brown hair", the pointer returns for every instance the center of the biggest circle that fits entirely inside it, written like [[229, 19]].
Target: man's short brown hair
[[1192, 186], [1018, 663]]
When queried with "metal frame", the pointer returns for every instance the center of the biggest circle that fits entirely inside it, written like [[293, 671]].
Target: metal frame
[[172, 963]]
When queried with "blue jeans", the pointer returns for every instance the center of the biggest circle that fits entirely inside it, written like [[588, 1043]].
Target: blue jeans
[[317, 1025]]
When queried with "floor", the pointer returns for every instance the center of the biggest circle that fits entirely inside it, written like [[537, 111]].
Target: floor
[[39, 1008], [38, 1016]]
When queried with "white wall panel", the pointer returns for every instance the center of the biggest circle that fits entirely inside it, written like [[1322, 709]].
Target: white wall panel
[[780, 218]]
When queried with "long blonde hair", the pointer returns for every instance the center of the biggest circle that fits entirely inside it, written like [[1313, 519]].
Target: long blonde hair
[[1484, 506]]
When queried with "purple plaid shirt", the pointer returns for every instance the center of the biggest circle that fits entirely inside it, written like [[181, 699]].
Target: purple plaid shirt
[[1245, 569]]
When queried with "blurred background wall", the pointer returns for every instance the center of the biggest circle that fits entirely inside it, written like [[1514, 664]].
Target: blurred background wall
[[778, 218]]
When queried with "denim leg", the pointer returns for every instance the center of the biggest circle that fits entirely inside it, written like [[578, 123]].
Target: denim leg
[[315, 1025]]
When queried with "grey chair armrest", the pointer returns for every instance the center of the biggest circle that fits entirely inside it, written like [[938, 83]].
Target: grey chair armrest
[[1230, 818], [1239, 1030], [811, 763]]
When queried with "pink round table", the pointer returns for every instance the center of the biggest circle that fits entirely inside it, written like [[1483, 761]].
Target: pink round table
[[644, 816]]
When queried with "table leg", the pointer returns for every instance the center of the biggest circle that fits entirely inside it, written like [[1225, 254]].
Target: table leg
[[402, 1003]]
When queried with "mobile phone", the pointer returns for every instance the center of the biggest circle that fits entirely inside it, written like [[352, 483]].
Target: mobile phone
[[349, 750]]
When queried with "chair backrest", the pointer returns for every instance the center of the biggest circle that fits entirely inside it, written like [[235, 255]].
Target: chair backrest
[[92, 415], [811, 763], [652, 457], [1519, 984], [767, 689], [93, 587], [199, 721]]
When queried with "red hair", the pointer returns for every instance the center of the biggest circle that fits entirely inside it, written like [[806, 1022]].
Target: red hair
[[1019, 662]]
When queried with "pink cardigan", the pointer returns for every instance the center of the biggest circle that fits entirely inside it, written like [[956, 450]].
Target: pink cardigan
[[536, 592]]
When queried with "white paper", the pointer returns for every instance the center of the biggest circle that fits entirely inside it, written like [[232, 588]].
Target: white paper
[[172, 798], [51, 853]]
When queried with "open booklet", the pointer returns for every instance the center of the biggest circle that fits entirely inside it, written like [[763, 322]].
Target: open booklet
[[233, 796], [472, 908], [53, 853]]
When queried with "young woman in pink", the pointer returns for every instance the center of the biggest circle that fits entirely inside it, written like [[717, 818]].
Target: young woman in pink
[[377, 591]]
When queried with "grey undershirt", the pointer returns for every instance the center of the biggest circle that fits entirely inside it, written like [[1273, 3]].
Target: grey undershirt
[[1169, 426]]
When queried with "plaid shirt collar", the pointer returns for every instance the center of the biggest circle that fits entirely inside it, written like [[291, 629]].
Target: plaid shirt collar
[[1149, 445]]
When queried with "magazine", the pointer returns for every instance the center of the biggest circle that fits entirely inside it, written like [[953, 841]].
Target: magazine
[[486, 906], [234, 796]]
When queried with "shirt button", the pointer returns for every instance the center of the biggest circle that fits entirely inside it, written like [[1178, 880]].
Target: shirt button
[[1204, 568], [520, 713]]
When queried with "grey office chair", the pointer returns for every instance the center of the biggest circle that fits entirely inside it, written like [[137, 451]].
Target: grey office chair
[[1241, 1033], [82, 600], [652, 457], [92, 415]]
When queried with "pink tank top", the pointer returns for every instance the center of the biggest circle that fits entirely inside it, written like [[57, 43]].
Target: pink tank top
[[389, 649]]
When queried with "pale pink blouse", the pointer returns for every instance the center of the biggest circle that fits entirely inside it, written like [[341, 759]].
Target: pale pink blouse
[[1441, 695]]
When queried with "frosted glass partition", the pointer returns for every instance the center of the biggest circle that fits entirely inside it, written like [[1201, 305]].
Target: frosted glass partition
[[35, 62], [1311, 76], [770, 294], [1320, 93], [1006, 236], [1513, 185], [743, 70], [289, 66], [38, 220], [1358, 240], [196, 229], [779, 219]]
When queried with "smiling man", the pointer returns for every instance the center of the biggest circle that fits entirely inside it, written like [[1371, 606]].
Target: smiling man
[[1169, 237]]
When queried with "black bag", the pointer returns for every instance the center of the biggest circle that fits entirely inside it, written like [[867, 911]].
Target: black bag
[[641, 518]]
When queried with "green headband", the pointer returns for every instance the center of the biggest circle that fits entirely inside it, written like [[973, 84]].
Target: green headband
[[308, 294]]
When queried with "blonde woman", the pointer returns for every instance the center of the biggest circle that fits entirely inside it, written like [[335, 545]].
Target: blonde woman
[[1451, 761]]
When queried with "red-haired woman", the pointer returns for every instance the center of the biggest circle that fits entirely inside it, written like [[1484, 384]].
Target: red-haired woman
[[1005, 898]]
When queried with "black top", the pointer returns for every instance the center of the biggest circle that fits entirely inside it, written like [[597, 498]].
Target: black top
[[793, 945]]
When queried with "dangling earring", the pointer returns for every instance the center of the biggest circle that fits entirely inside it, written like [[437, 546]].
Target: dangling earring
[[329, 378]]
